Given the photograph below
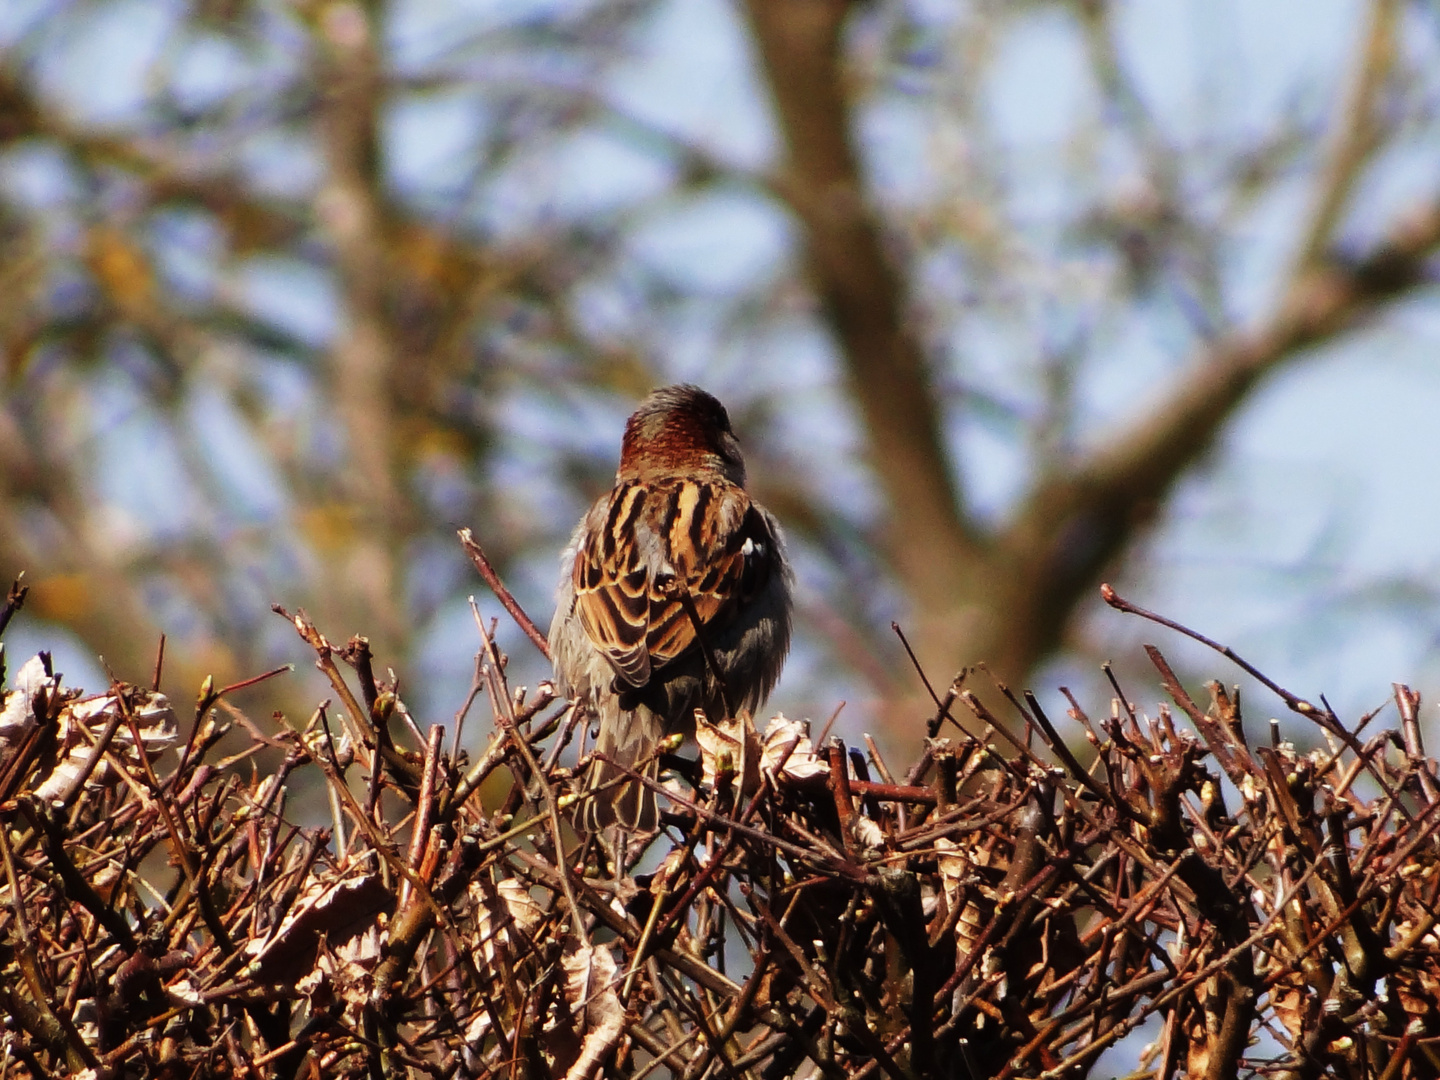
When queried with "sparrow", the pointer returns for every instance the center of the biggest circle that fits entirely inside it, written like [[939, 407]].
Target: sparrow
[[674, 595]]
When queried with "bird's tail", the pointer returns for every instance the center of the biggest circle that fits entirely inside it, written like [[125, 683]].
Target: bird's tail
[[628, 738]]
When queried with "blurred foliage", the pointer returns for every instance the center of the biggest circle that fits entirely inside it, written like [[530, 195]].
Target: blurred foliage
[[293, 290]]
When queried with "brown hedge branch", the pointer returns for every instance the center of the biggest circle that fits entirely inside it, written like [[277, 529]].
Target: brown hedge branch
[[1000, 915]]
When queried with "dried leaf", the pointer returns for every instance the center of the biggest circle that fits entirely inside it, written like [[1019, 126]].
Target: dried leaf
[[337, 909], [500, 912], [729, 748], [17, 716], [788, 741], [81, 725], [869, 833], [590, 991]]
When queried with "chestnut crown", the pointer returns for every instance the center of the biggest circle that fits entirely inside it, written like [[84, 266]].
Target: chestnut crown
[[680, 431]]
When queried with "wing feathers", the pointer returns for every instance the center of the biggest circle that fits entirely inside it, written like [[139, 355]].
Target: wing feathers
[[703, 536]]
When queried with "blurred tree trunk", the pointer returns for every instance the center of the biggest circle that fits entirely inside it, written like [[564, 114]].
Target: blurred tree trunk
[[365, 585], [1005, 597]]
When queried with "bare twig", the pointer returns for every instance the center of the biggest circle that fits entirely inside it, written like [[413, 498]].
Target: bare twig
[[487, 571]]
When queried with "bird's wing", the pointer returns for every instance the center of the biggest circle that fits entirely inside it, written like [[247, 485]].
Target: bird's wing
[[612, 587], [713, 544], [719, 545]]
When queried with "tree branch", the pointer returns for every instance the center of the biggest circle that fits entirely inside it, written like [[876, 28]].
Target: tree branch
[[1075, 522], [1353, 134], [930, 541], [364, 358]]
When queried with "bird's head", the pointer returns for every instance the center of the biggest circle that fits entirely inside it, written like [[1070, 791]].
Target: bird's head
[[680, 431]]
